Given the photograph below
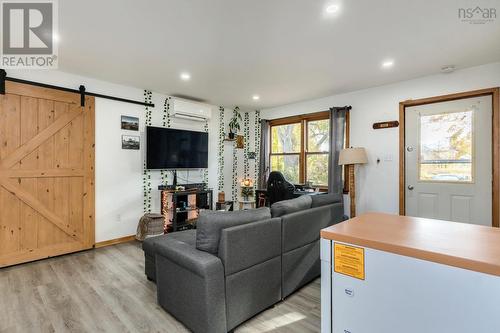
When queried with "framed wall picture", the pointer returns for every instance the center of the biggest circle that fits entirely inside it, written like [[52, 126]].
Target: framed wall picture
[[131, 142], [130, 123]]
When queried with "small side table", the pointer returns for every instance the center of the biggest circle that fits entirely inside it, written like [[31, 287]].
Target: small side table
[[244, 203]]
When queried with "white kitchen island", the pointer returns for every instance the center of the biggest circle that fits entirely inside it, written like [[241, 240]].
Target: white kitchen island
[[385, 273]]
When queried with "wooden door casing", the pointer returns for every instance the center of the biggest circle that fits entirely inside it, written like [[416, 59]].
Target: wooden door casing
[[46, 173]]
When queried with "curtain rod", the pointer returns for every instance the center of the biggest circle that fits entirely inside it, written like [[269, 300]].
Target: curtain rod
[[338, 108], [81, 90]]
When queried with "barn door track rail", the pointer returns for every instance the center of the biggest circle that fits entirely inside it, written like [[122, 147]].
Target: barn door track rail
[[81, 90]]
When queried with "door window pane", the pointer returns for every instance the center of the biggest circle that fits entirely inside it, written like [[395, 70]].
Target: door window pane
[[288, 165], [318, 135], [446, 147], [286, 138], [317, 169]]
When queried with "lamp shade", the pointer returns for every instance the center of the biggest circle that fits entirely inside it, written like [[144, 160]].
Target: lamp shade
[[247, 182], [353, 156]]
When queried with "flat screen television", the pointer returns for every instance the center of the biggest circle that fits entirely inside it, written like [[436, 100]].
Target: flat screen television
[[168, 148]]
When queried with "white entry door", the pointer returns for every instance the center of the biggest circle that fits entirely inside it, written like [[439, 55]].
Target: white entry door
[[448, 165]]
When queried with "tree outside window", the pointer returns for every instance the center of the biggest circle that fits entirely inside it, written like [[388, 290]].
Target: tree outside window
[[285, 151], [318, 147], [300, 148]]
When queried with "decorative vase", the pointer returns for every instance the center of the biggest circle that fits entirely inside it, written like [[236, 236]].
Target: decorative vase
[[231, 135]]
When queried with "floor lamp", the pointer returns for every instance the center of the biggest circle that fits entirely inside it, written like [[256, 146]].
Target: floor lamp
[[351, 157]]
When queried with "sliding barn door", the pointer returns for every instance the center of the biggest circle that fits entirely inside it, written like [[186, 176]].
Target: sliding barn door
[[46, 173]]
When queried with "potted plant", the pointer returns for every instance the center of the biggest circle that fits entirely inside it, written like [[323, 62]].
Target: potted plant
[[246, 192], [234, 123]]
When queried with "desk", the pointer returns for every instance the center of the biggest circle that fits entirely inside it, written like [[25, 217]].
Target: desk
[[296, 194], [412, 275]]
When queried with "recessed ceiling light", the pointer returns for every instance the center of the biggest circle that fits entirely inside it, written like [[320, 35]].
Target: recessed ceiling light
[[185, 76], [56, 38], [388, 64], [332, 8], [255, 97]]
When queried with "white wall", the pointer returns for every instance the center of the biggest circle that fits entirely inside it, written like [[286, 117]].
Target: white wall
[[119, 173], [119, 199], [377, 185], [119, 190]]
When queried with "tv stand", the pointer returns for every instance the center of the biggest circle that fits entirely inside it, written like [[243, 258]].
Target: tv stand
[[180, 209]]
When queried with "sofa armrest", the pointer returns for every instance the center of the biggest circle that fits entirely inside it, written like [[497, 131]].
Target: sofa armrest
[[191, 286], [199, 262]]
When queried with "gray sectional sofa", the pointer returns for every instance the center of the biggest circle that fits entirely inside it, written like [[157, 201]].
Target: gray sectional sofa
[[237, 264]]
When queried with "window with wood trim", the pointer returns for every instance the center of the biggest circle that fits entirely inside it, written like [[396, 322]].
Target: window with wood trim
[[300, 146]]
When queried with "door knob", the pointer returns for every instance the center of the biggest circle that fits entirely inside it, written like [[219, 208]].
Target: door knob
[[410, 187], [409, 149]]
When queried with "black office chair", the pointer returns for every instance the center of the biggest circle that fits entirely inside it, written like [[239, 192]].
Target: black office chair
[[278, 188]]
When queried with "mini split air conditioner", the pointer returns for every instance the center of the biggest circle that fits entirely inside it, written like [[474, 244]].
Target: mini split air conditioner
[[190, 110]]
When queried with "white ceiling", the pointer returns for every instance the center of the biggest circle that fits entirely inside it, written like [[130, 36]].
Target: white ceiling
[[283, 50]]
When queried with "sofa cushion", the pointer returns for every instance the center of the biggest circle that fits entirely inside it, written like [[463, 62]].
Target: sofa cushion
[[325, 199], [301, 228], [291, 206], [253, 290], [250, 244], [211, 223], [299, 267]]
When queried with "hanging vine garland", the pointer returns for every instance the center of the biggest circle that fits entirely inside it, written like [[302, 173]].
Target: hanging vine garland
[[148, 99], [146, 180], [246, 133], [165, 123], [166, 112], [234, 187], [257, 148], [147, 203], [205, 171], [220, 161]]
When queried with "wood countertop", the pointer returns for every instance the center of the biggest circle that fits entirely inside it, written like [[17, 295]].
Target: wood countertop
[[467, 246]]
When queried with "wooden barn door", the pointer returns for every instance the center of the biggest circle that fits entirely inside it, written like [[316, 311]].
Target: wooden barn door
[[46, 173]]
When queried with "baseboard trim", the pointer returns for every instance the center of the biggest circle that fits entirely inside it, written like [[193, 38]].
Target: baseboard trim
[[115, 241]]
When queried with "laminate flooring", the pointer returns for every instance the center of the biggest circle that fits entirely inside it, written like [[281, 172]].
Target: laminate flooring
[[105, 290]]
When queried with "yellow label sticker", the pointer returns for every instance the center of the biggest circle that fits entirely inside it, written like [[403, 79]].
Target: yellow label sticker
[[349, 260]]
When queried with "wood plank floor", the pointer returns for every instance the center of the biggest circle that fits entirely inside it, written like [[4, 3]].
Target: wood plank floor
[[105, 290]]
